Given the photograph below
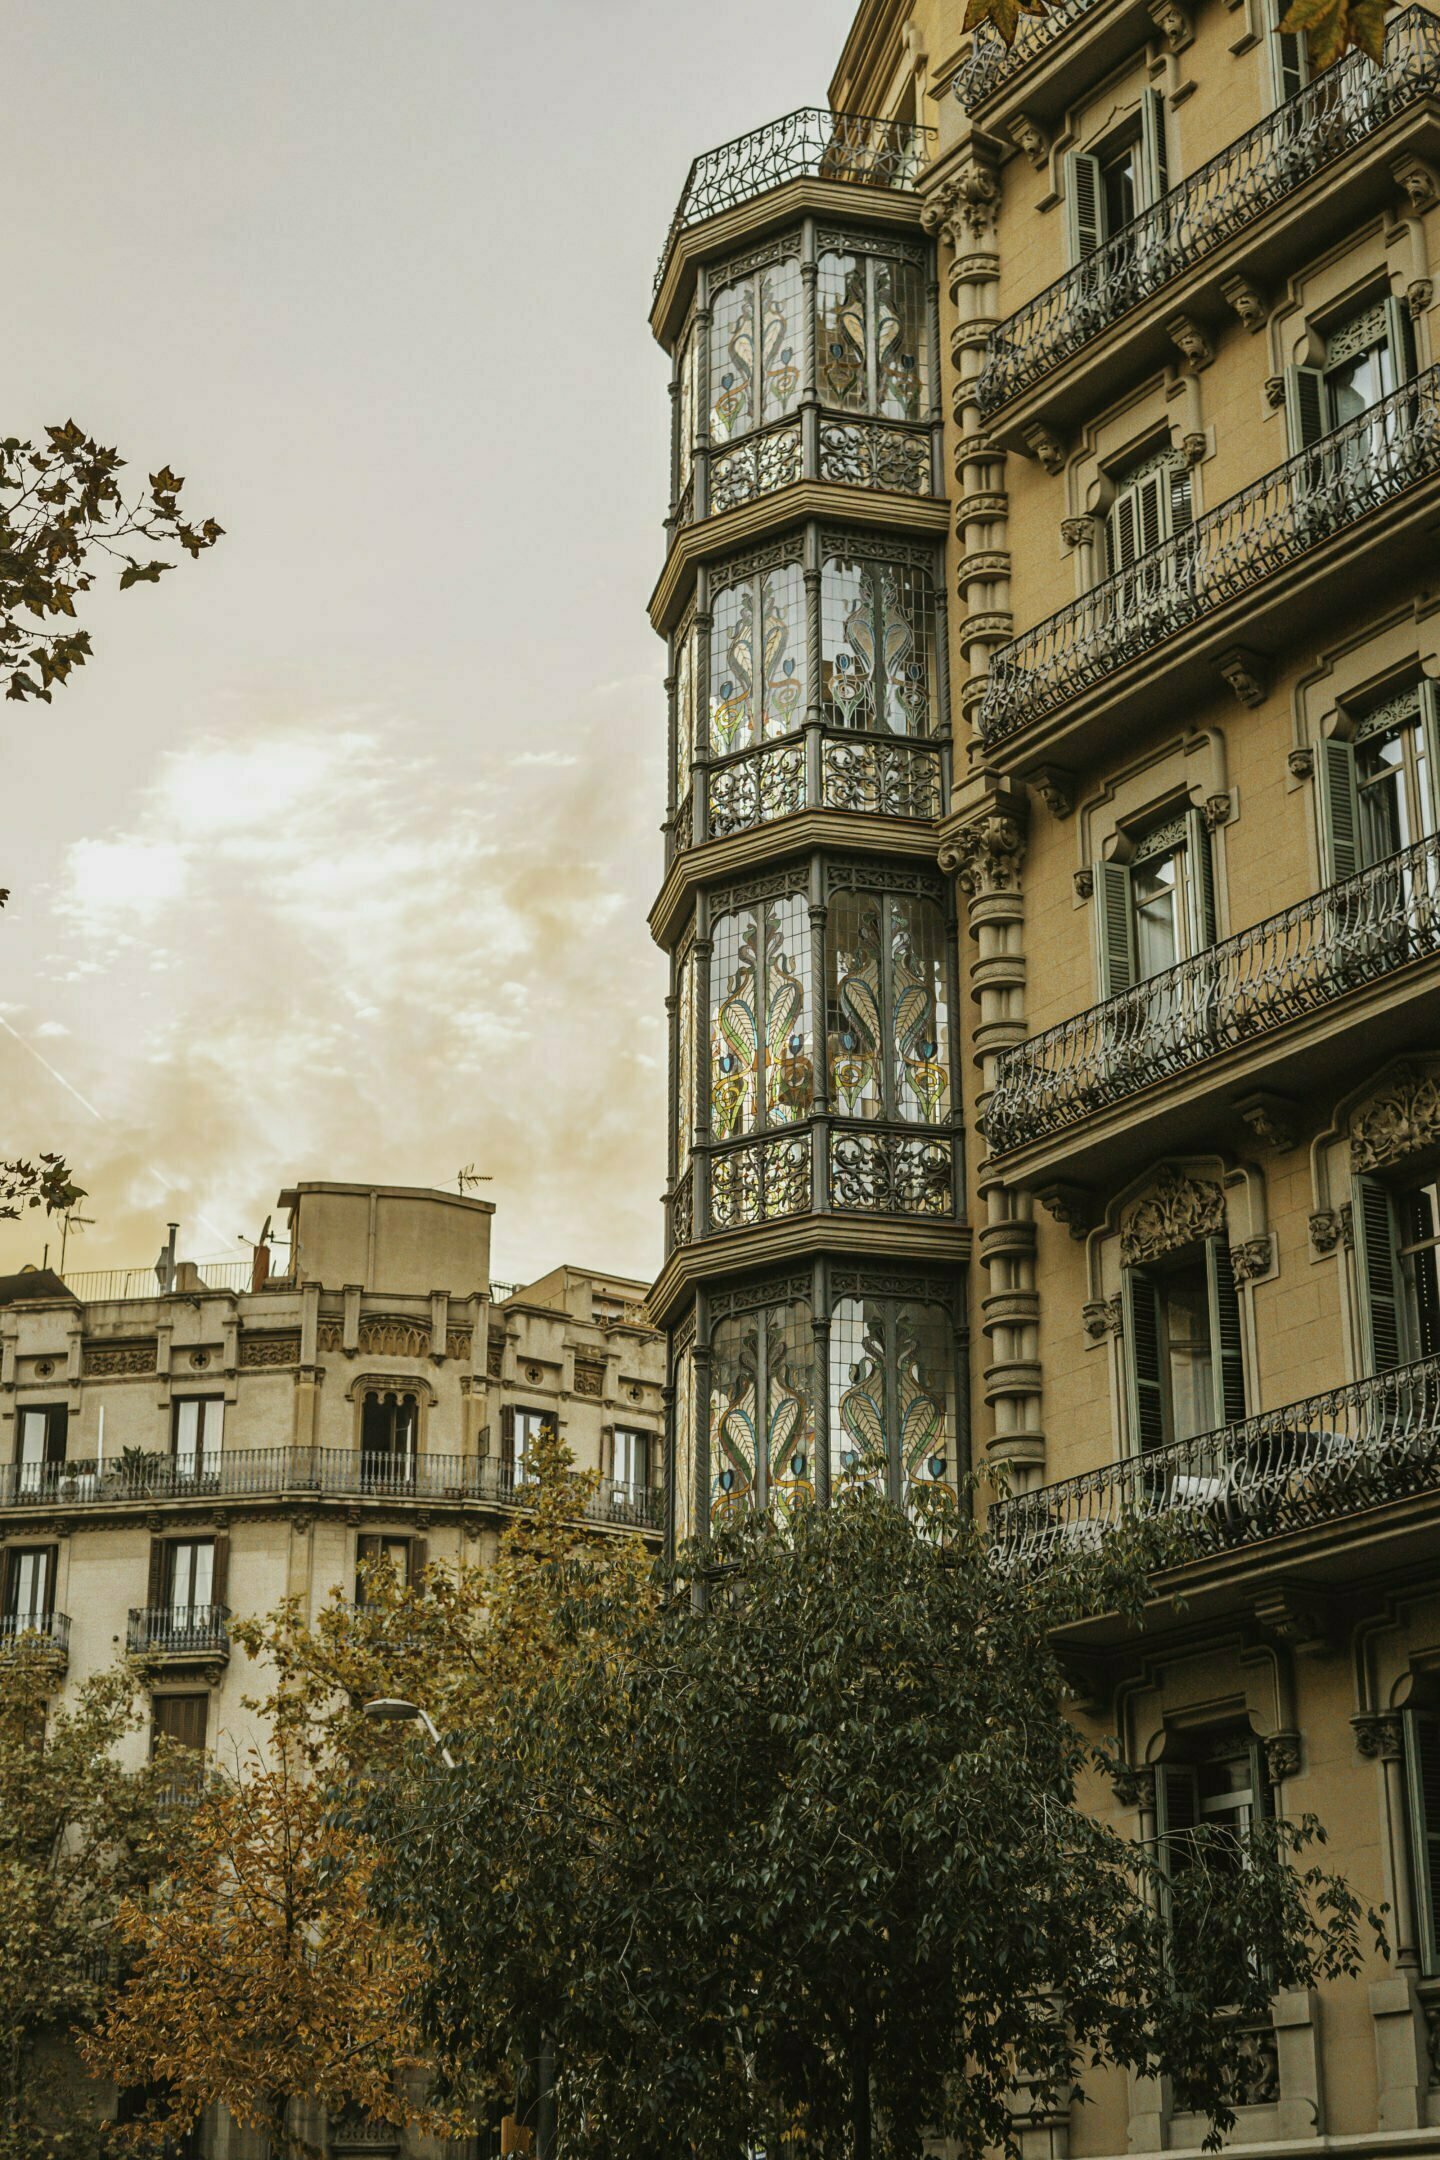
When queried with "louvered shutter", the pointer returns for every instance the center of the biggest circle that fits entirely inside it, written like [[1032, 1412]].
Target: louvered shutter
[[220, 1570], [1123, 531], [56, 1429], [1376, 1275], [1398, 338], [1287, 60], [507, 1434], [7, 1580], [1422, 1779], [1339, 806], [1227, 1359], [1150, 512], [1140, 1326], [607, 1451], [419, 1561], [1182, 500], [1304, 406], [1082, 205], [155, 1587], [1199, 884], [1114, 928], [1430, 740], [1152, 147]]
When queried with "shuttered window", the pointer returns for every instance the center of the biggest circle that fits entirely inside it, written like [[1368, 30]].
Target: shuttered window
[[1379, 789], [1183, 1348], [28, 1587], [1376, 1273], [1115, 182], [1418, 1211], [1158, 907], [1153, 503], [381, 1548], [1366, 357], [1422, 1778], [179, 1717]]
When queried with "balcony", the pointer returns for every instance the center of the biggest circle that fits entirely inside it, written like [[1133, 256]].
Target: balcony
[[855, 149], [1259, 543], [867, 1169], [180, 1634], [35, 1635], [1359, 932], [1221, 201], [889, 776], [992, 62], [1364, 1450], [241, 1473]]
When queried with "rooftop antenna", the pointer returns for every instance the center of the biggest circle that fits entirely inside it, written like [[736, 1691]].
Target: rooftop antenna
[[467, 1179], [71, 1221], [259, 1254]]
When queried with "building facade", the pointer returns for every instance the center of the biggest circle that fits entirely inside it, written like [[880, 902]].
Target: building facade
[[172, 1459], [1167, 755]]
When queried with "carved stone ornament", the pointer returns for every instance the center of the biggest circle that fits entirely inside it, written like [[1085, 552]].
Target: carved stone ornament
[[1417, 183], [1193, 446], [963, 211], [1270, 1119], [1084, 883], [1418, 295], [1247, 302], [1301, 761], [1070, 1205], [1282, 1756], [1245, 672], [1077, 531], [1134, 1785], [986, 856], [1275, 392], [1254, 1258], [277, 1348], [1379, 1735], [1176, 1211], [395, 1338], [1190, 340], [112, 1361], [1173, 23], [1046, 446], [1329, 1228], [1400, 1120], [589, 1377], [1056, 789], [1100, 1317], [1028, 136], [1216, 811]]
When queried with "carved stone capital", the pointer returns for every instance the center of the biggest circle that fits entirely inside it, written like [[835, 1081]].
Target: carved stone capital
[[1275, 391], [1056, 789], [1400, 1118], [1282, 1756], [1078, 531], [1301, 1621], [1329, 1228], [986, 856], [1301, 761], [1100, 1317], [1379, 1735], [1252, 1259], [1069, 1204], [1246, 674], [1247, 301], [1046, 446], [1134, 1785], [1216, 811], [1190, 340], [963, 211], [1176, 1211], [1084, 883], [1030, 138]]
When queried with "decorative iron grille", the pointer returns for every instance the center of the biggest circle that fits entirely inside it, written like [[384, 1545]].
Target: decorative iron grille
[[179, 1631], [1321, 491], [1309, 132], [881, 776], [990, 60], [1311, 1462], [758, 1182], [1304, 958], [868, 454], [753, 787], [891, 1173], [811, 144], [39, 1634]]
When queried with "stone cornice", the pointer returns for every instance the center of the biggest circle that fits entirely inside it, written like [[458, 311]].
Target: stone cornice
[[884, 1238]]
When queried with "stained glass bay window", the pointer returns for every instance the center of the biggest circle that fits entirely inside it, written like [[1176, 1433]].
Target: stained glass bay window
[[892, 1400], [762, 1046], [878, 645], [871, 336], [764, 1383]]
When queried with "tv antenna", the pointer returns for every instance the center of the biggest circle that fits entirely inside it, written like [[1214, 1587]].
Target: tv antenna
[[71, 1221], [467, 1179]]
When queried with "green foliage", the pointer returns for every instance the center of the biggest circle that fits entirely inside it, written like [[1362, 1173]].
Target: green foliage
[[798, 1852], [78, 1834], [46, 1183], [61, 505]]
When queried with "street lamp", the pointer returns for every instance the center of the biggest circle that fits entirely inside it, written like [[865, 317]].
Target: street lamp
[[393, 1710]]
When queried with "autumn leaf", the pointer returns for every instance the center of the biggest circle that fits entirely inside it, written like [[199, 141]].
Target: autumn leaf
[[1003, 16], [1332, 27], [142, 573]]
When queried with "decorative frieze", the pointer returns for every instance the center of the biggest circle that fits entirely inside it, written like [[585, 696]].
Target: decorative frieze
[[1401, 1118], [1177, 1211], [1379, 1735], [589, 1376], [109, 1361], [281, 1347]]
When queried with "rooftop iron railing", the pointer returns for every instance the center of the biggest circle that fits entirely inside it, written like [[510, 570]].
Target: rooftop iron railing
[[1310, 1463], [811, 144], [1307, 956], [1264, 165], [93, 1285], [238, 1472], [179, 1631], [991, 60], [36, 1633], [1370, 461]]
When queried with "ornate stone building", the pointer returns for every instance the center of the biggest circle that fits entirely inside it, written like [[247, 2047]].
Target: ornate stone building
[[171, 1458], [1092, 605]]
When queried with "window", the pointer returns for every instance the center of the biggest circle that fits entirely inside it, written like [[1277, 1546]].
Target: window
[[1114, 183], [1152, 504], [877, 645], [525, 1429], [384, 1549], [1397, 1266], [888, 1012], [197, 1425], [389, 1423], [29, 1587], [181, 1718], [185, 1596], [1422, 1779], [1184, 1365], [892, 1400], [1379, 790], [630, 1463], [1157, 907], [762, 1047], [190, 1576], [763, 1388], [755, 345], [1366, 357], [871, 335], [758, 680], [1288, 53], [41, 1444]]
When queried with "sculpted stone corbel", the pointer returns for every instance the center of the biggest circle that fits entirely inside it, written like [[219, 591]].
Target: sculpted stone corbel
[[986, 856], [963, 211], [1245, 672], [1190, 340], [1056, 789], [1379, 1735], [1030, 138], [1247, 301], [1417, 183], [1046, 445]]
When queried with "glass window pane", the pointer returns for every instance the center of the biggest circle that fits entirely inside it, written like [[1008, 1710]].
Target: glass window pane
[[783, 676], [684, 715], [1385, 809], [684, 1066], [1155, 897], [734, 1026], [732, 668], [840, 332], [781, 301], [685, 419], [732, 360], [859, 1441], [733, 1381], [920, 1029], [877, 649], [900, 372], [791, 1384], [684, 1443], [925, 1404], [854, 1023], [187, 1433], [1186, 1306], [789, 1033]]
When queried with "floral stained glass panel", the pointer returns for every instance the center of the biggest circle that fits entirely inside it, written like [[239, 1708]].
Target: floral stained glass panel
[[732, 360], [871, 336], [684, 1065], [734, 1026], [734, 1386], [877, 646], [684, 1445], [789, 1036], [919, 1034], [791, 1385], [781, 343], [855, 1023], [859, 1437]]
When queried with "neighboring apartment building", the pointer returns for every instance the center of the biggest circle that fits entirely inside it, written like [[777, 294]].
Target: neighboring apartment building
[[1053, 597], [173, 1458]]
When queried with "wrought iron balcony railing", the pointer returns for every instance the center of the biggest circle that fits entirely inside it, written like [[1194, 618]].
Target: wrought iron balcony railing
[[1370, 461], [1244, 988], [877, 775], [1310, 1463], [179, 1631], [812, 144], [863, 1168], [1307, 134], [42, 1634], [239, 1472], [991, 60]]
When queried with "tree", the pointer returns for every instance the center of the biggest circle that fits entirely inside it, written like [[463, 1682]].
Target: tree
[[1331, 28], [804, 1857], [78, 1834], [46, 1183], [62, 505]]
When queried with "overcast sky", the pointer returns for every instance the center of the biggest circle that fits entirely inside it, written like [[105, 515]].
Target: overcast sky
[[334, 862]]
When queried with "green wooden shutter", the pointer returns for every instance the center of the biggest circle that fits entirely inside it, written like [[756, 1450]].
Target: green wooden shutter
[[1140, 1325], [1149, 513], [1082, 205], [367, 1552], [1430, 742], [1152, 147], [1339, 808], [1227, 1357], [1182, 500], [419, 1561], [220, 1569], [1114, 928], [1122, 531], [1199, 884], [1422, 1780], [1376, 1275], [1304, 406], [155, 1586]]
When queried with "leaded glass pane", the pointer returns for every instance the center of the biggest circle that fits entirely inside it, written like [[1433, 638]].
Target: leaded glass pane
[[734, 1357], [732, 668], [732, 360], [684, 1065], [925, 1404], [685, 417], [789, 1032], [734, 1026], [781, 301], [899, 320], [855, 1025], [871, 336], [859, 1440], [877, 644], [684, 713], [920, 1019], [684, 1450], [840, 332], [757, 693], [783, 676], [892, 1400], [791, 1384]]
